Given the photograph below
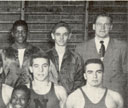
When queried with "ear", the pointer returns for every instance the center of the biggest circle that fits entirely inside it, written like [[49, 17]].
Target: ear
[[69, 37], [111, 26], [30, 68], [12, 34], [85, 77], [94, 26], [53, 37], [1, 70]]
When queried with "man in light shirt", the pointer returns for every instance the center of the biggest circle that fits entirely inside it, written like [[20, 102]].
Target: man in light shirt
[[112, 52], [94, 94], [16, 56], [69, 64]]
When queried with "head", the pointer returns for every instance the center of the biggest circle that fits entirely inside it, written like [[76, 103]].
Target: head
[[40, 66], [94, 69], [20, 31], [102, 25], [20, 97], [61, 33]]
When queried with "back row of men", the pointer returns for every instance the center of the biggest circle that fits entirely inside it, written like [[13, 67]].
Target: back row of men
[[59, 72]]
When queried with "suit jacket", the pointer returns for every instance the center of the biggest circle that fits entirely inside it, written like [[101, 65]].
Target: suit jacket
[[115, 62]]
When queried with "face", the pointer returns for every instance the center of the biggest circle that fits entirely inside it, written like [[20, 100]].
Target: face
[[94, 75], [19, 99], [102, 27], [20, 34], [40, 69], [61, 36]]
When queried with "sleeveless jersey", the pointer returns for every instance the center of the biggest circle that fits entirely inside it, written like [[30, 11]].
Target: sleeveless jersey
[[2, 104], [89, 104], [48, 100]]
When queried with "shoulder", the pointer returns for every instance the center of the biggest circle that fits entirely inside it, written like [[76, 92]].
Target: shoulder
[[115, 96], [59, 89], [7, 87], [120, 43], [75, 99], [49, 51], [60, 93], [76, 95]]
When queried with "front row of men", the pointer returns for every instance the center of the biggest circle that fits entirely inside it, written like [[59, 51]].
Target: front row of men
[[42, 93]]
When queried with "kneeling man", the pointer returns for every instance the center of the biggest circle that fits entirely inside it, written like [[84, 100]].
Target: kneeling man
[[93, 94]]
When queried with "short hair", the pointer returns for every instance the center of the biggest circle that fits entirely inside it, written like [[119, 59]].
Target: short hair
[[23, 88], [61, 24], [104, 14], [20, 23], [39, 54], [94, 60]]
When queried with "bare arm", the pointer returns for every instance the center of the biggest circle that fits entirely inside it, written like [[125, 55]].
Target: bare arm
[[61, 95]]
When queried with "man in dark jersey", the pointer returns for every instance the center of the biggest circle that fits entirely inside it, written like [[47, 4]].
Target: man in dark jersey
[[93, 94], [44, 93], [20, 97]]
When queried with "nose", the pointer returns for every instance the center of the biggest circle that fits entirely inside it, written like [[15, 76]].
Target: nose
[[18, 101], [95, 75], [62, 37], [103, 26], [41, 69]]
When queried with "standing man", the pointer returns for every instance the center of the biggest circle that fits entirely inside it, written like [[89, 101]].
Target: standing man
[[69, 64], [94, 94], [16, 57], [111, 51], [44, 93]]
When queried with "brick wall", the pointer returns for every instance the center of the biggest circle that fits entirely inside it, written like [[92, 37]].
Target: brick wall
[[42, 15], [117, 9]]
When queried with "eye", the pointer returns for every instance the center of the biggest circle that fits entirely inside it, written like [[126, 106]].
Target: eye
[[57, 34], [35, 65], [89, 72], [45, 65], [100, 71]]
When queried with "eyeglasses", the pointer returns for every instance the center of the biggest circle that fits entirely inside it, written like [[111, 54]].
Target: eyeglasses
[[106, 25]]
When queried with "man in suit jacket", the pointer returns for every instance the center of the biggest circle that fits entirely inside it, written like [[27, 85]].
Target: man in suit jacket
[[115, 57]]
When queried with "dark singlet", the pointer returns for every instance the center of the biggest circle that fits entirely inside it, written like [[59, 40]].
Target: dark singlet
[[48, 100], [89, 104], [2, 104]]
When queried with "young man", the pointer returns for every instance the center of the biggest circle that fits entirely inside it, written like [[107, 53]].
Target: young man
[[69, 65], [111, 51], [44, 93], [16, 57], [20, 97], [93, 94]]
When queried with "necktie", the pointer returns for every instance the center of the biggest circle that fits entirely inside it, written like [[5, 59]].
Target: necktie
[[102, 49]]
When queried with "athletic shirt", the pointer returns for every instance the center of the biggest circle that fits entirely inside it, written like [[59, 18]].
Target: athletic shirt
[[89, 104], [2, 104], [48, 100]]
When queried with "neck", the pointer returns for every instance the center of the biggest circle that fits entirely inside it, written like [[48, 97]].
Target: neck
[[40, 83], [93, 88], [102, 38], [20, 46], [60, 49]]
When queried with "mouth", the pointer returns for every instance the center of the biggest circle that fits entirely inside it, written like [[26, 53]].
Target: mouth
[[17, 106]]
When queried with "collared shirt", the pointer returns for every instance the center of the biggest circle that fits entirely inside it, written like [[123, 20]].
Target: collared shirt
[[70, 75], [98, 44]]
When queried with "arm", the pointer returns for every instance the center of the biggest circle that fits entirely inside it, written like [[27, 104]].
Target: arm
[[6, 93], [61, 95], [79, 75], [119, 101]]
